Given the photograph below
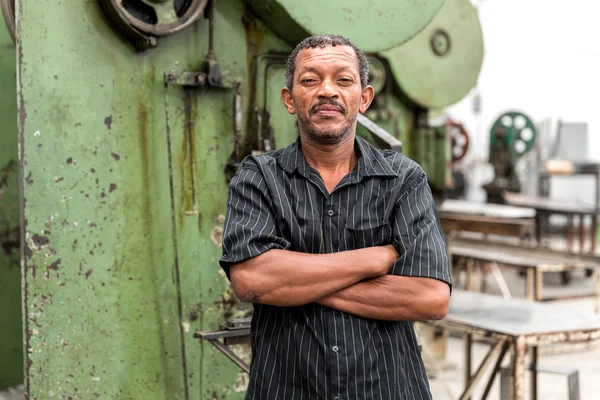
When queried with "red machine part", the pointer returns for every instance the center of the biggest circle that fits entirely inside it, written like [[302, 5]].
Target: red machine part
[[459, 140]]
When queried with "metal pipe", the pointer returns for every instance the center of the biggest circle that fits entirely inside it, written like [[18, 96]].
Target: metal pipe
[[210, 13]]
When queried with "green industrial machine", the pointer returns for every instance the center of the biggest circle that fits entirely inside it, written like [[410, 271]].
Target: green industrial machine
[[512, 135], [132, 116], [11, 338]]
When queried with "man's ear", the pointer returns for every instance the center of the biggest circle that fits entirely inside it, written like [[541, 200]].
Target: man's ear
[[366, 98], [288, 102]]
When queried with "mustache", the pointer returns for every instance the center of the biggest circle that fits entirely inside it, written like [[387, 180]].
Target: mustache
[[329, 102]]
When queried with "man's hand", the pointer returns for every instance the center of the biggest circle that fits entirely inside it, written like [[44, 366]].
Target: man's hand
[[387, 255]]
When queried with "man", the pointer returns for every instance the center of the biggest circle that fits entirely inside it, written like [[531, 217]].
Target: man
[[337, 244]]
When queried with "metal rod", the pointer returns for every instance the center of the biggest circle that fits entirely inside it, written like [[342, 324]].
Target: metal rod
[[230, 354], [212, 335], [497, 366], [477, 377], [500, 280]]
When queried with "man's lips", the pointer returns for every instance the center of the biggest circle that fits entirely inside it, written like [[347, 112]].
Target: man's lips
[[327, 110]]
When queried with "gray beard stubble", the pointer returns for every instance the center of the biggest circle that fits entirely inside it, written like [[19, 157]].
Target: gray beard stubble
[[324, 138]]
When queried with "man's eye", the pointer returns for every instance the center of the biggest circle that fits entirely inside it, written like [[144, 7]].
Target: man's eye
[[308, 80], [345, 81]]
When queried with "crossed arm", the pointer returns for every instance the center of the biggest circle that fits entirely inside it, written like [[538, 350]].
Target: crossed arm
[[369, 282], [352, 281]]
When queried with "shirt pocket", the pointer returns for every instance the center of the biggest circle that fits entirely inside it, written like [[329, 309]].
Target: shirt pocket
[[365, 229]]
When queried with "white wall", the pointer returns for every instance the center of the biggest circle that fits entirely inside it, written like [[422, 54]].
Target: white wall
[[542, 57]]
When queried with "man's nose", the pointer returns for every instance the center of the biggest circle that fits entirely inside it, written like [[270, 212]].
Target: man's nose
[[328, 89]]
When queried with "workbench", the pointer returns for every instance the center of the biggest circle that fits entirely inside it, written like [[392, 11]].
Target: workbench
[[572, 209], [535, 261], [513, 325], [495, 219]]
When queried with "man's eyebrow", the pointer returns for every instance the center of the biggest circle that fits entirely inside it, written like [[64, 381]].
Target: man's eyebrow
[[316, 71], [310, 69]]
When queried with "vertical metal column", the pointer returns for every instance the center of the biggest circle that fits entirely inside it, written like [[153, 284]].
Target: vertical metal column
[[468, 359], [517, 369]]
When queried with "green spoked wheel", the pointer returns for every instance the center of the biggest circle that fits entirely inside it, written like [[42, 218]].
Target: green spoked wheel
[[515, 130]]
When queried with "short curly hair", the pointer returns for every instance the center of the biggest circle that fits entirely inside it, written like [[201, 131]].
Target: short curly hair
[[321, 41]]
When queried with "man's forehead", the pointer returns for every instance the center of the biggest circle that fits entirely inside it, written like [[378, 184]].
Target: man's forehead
[[340, 54]]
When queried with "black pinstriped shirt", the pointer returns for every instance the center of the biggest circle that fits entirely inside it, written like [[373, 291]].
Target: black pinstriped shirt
[[277, 201]]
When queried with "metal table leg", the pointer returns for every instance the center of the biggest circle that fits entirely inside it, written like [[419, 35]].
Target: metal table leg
[[594, 230], [597, 290], [581, 233], [468, 360], [570, 232], [530, 284], [517, 369], [538, 227], [469, 278], [533, 373], [539, 285]]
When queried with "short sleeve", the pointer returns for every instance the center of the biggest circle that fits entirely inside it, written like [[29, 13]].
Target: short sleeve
[[250, 228], [417, 234]]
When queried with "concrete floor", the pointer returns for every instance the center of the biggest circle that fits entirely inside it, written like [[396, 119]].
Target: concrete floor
[[448, 384]]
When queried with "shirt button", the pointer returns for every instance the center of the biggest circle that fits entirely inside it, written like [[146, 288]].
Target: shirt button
[[335, 349], [330, 213]]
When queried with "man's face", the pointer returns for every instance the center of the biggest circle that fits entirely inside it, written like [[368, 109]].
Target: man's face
[[327, 95]]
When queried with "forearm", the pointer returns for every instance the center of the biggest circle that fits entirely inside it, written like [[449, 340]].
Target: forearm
[[392, 298], [288, 278]]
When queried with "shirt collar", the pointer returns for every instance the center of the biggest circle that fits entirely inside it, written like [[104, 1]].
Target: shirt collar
[[370, 160]]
